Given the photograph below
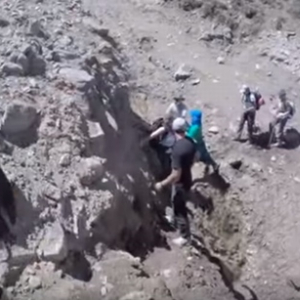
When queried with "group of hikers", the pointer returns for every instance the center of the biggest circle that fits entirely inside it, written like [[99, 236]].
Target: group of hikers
[[188, 146]]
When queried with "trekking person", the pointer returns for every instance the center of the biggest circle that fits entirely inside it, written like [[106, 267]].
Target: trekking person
[[177, 109], [249, 110], [195, 132], [180, 179], [283, 111]]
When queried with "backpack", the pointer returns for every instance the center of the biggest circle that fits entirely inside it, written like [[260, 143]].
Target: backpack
[[257, 98]]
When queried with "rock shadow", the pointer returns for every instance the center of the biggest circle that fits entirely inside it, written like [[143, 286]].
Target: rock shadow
[[24, 212], [216, 180], [291, 139], [26, 138], [127, 165]]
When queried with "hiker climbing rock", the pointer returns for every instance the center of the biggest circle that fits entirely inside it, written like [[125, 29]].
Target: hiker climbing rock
[[252, 101], [180, 178], [177, 109], [283, 111], [195, 132]]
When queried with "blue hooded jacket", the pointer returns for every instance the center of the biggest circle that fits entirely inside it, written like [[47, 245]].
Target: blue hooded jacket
[[195, 129], [196, 117]]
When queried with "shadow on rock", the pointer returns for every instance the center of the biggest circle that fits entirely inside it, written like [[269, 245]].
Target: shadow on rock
[[216, 180], [292, 138]]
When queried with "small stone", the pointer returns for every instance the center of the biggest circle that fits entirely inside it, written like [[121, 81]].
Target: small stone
[[65, 160], [221, 60], [18, 117], [37, 29], [195, 82], [91, 170], [257, 67], [273, 158], [136, 296], [11, 69], [4, 22], [182, 73], [214, 129], [51, 192]]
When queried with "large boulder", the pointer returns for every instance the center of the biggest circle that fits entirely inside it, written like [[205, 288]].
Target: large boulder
[[53, 246], [18, 117], [81, 79]]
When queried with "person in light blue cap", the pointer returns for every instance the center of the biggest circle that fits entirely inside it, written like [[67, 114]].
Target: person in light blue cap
[[194, 132]]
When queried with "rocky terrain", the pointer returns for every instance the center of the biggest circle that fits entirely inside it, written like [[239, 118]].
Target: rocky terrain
[[79, 82]]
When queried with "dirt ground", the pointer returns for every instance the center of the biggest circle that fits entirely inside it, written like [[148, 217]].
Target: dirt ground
[[245, 222], [158, 37]]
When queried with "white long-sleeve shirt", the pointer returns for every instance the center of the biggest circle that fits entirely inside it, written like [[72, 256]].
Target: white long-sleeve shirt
[[177, 110]]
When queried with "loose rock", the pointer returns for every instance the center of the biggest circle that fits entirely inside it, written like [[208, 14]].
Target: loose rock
[[53, 247], [182, 73], [91, 169], [11, 69], [18, 117], [79, 78], [214, 129], [4, 22], [37, 29], [220, 60]]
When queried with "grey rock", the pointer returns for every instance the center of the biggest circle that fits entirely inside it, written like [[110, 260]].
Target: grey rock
[[53, 246], [11, 69], [18, 117], [37, 29], [65, 160], [4, 22], [20, 59], [21, 256], [195, 82], [60, 55], [37, 66], [214, 130], [35, 282], [182, 73], [79, 78], [95, 27], [221, 60], [91, 169], [51, 192]]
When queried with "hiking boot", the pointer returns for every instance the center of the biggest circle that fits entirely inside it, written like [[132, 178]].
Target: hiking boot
[[171, 220]]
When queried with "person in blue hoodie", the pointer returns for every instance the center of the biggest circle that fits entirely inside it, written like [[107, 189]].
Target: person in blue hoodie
[[194, 132]]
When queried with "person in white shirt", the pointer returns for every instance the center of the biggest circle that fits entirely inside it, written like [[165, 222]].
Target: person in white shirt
[[283, 111], [177, 109]]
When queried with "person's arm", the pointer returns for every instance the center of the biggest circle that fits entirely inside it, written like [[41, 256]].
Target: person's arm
[[176, 170], [169, 111], [157, 132], [184, 112]]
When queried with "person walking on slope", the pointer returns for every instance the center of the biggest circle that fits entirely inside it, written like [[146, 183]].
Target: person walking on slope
[[195, 132], [283, 111], [180, 178], [249, 111], [177, 109]]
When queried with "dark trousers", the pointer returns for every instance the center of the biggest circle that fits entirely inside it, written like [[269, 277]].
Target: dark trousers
[[179, 197], [204, 155], [249, 117]]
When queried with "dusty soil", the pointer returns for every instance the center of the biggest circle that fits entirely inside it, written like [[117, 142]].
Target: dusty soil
[[245, 237]]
